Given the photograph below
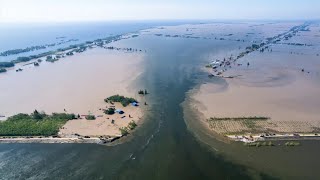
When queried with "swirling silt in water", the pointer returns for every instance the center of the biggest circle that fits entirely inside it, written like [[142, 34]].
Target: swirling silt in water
[[162, 148]]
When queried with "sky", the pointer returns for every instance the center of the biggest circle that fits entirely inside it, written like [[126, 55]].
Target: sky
[[110, 10]]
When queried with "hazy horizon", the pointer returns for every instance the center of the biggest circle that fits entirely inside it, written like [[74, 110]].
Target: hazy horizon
[[125, 10]]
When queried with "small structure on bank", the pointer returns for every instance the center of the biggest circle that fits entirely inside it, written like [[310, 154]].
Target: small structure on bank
[[134, 104], [119, 111]]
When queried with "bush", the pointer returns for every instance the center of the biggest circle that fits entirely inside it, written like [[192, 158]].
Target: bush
[[23, 59], [38, 116], [6, 64], [132, 125], [124, 131], [90, 117], [145, 92], [125, 101], [63, 116], [19, 116], [3, 70], [109, 111]]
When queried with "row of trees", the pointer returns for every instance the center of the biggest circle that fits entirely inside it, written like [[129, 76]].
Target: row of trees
[[6, 64]]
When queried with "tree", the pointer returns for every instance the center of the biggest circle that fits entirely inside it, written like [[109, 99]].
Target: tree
[[132, 125], [124, 131], [109, 111], [3, 70], [6, 64], [37, 116], [90, 117]]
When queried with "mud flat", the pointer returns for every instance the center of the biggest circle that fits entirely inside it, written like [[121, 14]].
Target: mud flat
[[103, 125], [280, 84], [77, 84]]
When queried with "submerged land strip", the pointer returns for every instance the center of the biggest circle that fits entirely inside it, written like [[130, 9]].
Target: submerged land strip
[[252, 129], [55, 55], [221, 66]]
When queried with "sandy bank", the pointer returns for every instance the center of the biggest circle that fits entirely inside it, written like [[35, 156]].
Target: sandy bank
[[273, 85], [77, 84], [103, 124]]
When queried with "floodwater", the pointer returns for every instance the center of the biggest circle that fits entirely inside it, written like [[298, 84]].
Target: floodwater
[[163, 147], [78, 84]]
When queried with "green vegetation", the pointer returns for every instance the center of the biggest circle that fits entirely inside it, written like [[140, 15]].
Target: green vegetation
[[258, 144], [292, 143], [6, 64], [3, 70], [109, 111], [90, 117], [52, 60], [35, 124], [48, 57], [125, 101], [145, 92], [239, 118], [23, 59], [33, 48], [69, 53], [124, 131], [81, 47], [132, 125]]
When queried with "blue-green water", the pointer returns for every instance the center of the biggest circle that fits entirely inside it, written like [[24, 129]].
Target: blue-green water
[[20, 36]]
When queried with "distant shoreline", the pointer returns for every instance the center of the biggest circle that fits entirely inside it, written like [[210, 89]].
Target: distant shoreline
[[55, 55]]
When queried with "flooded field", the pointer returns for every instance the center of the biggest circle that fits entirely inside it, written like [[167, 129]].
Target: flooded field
[[172, 142], [79, 84]]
